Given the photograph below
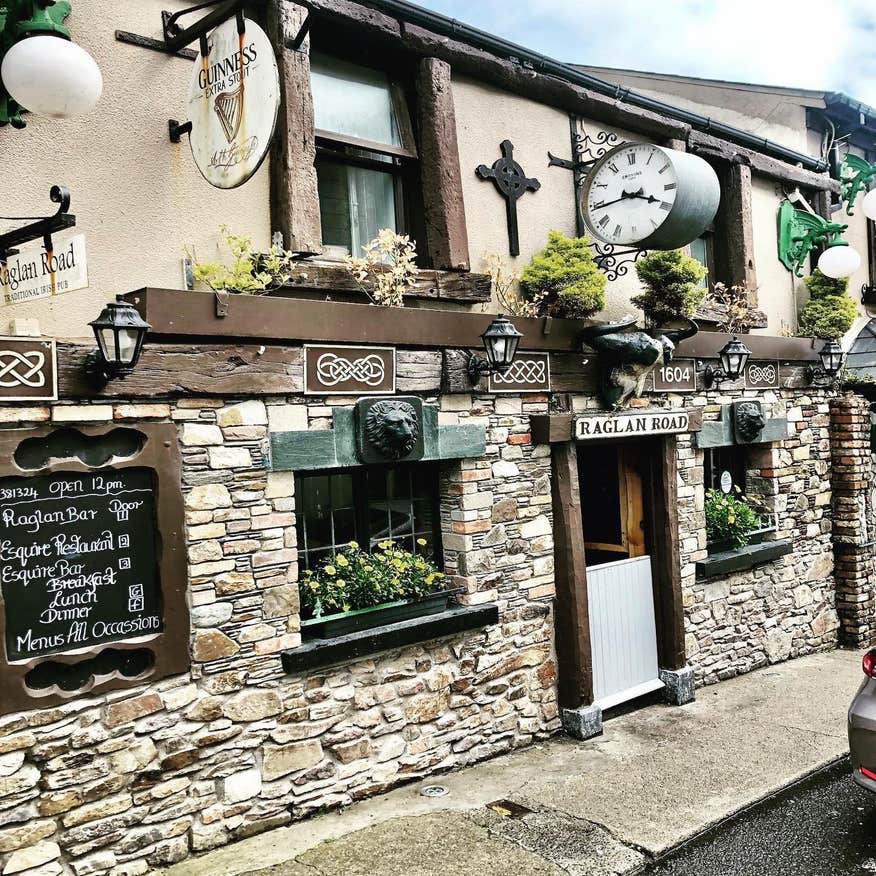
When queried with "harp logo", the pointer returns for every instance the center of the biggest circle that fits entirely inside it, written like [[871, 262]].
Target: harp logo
[[234, 97]]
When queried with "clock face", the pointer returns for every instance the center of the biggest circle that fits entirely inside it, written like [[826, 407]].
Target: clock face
[[629, 193]]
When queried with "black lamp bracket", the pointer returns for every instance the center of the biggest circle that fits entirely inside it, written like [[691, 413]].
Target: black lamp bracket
[[476, 367], [816, 376], [177, 38], [40, 228]]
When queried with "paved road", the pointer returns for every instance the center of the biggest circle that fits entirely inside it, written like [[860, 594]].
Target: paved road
[[825, 826]]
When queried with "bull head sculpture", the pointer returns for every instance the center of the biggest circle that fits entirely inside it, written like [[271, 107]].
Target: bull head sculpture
[[627, 356]]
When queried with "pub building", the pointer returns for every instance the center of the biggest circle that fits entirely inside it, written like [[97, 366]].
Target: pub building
[[179, 465]]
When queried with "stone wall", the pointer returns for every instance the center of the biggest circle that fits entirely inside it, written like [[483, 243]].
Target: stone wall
[[784, 608], [136, 779]]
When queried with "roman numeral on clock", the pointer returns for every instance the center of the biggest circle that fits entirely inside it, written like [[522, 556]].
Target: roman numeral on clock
[[665, 167], [604, 221], [631, 158], [613, 167], [669, 186], [665, 206], [617, 230]]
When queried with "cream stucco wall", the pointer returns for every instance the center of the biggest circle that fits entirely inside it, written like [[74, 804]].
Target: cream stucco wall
[[484, 117], [779, 292], [138, 199]]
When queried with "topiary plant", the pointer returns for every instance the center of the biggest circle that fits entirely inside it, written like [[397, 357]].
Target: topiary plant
[[671, 291], [563, 280], [829, 312]]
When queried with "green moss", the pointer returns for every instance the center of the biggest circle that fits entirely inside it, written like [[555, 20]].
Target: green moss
[[563, 280], [830, 311], [671, 292]]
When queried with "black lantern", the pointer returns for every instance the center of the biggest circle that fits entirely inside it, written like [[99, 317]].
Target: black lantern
[[734, 356], [120, 331], [500, 341], [832, 358]]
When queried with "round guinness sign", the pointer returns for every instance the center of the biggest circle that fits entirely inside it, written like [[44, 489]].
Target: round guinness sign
[[234, 97]]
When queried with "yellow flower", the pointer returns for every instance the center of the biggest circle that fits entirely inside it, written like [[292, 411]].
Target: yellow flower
[[342, 560], [422, 542], [341, 582], [345, 607], [354, 545], [330, 570], [385, 545]]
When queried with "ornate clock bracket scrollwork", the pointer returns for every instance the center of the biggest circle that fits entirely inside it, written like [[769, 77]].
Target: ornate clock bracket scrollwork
[[586, 151]]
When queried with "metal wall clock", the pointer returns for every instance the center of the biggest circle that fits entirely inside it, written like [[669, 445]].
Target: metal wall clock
[[648, 196]]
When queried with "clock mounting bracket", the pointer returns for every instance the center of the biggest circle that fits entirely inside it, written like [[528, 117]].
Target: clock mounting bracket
[[586, 151]]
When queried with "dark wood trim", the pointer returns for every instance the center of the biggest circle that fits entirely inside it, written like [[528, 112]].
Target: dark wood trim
[[662, 499], [175, 314], [363, 643], [738, 237], [571, 616], [294, 195], [550, 428], [440, 174], [332, 276], [707, 146]]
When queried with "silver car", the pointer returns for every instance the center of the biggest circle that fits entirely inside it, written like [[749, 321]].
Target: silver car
[[862, 726]]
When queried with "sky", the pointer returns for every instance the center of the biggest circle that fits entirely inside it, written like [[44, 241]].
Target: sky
[[828, 45]]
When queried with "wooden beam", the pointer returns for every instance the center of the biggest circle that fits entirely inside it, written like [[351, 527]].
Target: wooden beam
[[440, 175], [571, 616], [294, 195], [176, 314], [462, 286], [739, 231], [708, 146], [486, 67]]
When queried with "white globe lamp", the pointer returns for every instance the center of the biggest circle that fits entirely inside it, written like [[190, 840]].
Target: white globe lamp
[[868, 205], [51, 76], [839, 261]]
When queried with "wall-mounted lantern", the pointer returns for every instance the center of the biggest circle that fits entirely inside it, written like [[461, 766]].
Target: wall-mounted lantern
[[799, 231], [734, 356], [500, 341], [43, 71], [832, 357], [120, 332]]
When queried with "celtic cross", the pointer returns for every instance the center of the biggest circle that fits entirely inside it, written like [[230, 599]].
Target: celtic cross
[[512, 183]]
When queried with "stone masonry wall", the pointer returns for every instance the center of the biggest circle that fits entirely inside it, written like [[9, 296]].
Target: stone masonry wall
[[133, 780], [784, 608]]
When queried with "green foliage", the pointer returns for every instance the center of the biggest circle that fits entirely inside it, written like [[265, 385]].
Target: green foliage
[[829, 312], [671, 291], [563, 280], [354, 579], [729, 517], [249, 272]]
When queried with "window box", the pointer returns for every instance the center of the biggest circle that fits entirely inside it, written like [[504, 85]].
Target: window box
[[362, 643], [739, 559], [726, 545], [344, 622]]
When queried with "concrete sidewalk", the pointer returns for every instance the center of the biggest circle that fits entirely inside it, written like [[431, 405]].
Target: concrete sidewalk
[[656, 777]]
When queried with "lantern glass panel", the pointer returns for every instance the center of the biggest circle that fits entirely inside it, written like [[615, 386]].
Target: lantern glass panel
[[127, 345], [106, 339]]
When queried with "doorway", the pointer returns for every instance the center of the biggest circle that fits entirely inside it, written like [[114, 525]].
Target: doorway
[[615, 481]]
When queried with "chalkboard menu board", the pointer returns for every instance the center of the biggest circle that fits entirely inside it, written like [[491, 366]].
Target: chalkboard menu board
[[78, 561]]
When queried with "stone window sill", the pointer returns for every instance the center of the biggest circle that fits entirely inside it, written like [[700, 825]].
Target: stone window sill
[[739, 559], [323, 652]]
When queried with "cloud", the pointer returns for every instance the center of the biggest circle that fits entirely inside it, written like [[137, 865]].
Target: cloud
[[813, 44]]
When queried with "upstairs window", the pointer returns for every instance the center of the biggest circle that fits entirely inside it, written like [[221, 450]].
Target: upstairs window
[[365, 153], [703, 250]]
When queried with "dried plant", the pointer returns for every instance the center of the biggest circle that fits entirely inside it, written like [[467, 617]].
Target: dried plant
[[733, 300], [504, 281], [249, 272], [386, 269]]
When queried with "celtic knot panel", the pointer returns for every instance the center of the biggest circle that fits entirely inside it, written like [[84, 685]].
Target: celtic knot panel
[[22, 369], [332, 370], [523, 371]]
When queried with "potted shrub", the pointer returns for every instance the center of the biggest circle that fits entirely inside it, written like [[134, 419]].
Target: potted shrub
[[563, 279], [671, 293], [731, 521], [356, 590], [830, 311]]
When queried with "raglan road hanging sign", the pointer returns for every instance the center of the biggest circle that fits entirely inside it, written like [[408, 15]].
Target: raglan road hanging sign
[[234, 98]]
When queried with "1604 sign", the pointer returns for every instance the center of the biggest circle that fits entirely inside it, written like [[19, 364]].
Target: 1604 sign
[[680, 375]]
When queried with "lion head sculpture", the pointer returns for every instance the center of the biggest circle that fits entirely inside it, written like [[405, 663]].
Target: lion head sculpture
[[749, 421], [392, 428]]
